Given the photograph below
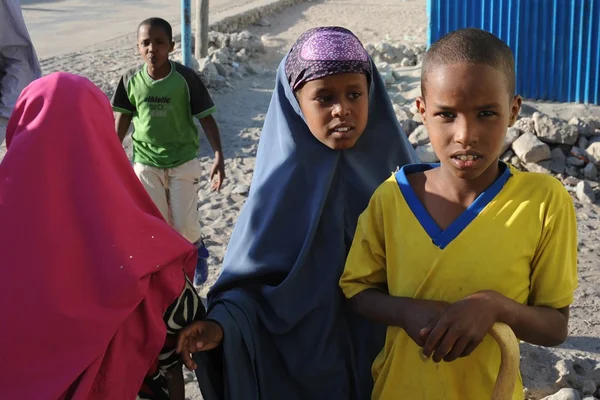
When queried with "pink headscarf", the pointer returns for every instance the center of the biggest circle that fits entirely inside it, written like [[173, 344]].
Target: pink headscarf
[[88, 264]]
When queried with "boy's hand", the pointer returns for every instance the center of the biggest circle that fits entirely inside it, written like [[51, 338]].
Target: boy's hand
[[422, 313], [462, 327], [217, 173], [198, 336]]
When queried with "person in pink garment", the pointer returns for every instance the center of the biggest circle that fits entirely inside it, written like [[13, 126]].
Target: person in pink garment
[[94, 282]]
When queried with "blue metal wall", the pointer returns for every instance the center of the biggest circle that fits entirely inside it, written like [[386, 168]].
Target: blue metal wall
[[556, 43]]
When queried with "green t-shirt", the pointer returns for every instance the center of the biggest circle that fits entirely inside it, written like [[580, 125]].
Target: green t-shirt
[[163, 110]]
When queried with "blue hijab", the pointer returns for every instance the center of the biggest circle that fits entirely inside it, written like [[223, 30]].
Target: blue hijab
[[288, 334]]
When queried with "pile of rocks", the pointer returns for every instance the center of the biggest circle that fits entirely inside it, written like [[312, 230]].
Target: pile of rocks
[[568, 149], [229, 57], [391, 58]]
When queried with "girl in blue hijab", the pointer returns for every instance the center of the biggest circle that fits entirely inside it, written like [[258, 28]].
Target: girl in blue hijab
[[277, 325]]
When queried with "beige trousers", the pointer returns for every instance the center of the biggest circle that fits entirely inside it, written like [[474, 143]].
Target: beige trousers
[[175, 193]]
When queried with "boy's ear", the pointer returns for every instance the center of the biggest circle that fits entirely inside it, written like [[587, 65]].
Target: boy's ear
[[172, 47], [420, 103], [515, 108]]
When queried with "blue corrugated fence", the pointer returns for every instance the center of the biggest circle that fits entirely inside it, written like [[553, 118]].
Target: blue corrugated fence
[[556, 43]]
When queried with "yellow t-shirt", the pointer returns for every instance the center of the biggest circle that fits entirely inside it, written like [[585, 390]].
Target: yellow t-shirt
[[518, 238]]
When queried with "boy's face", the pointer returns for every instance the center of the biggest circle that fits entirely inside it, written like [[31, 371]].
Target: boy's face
[[154, 46], [467, 111], [336, 108]]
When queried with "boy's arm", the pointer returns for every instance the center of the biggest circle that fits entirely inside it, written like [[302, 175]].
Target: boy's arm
[[122, 122], [211, 130], [410, 314]]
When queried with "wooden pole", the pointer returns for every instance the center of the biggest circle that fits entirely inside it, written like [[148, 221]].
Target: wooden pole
[[201, 29]]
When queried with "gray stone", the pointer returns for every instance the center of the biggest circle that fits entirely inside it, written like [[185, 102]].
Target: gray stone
[[406, 62], [572, 171], [583, 127], [220, 56], [402, 87], [242, 55], [564, 394], [408, 126], [593, 122], [530, 149], [558, 161], [589, 387], [417, 118], [241, 189], [576, 162], [553, 130], [585, 193], [426, 154], [512, 134], [264, 22], [590, 171], [582, 142], [525, 125], [419, 137], [207, 67], [402, 113], [221, 70]]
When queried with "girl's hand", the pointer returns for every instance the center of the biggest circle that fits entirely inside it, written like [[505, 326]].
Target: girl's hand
[[420, 315], [198, 336], [462, 327]]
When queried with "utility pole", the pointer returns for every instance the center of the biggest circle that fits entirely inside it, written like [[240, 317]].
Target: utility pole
[[186, 32]]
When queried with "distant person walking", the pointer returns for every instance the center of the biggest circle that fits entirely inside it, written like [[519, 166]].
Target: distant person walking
[[19, 64]]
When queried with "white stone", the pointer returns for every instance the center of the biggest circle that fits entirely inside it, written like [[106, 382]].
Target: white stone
[[594, 151], [585, 193], [418, 118], [426, 154], [553, 130], [530, 149], [525, 125], [564, 394], [419, 137], [220, 56]]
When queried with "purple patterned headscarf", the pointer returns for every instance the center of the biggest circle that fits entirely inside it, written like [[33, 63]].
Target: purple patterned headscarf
[[325, 51]]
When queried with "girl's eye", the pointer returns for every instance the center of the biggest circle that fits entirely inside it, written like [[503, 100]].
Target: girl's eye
[[355, 96], [487, 113], [446, 114], [324, 99]]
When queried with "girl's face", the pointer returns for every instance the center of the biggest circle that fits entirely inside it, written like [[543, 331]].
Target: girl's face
[[336, 108]]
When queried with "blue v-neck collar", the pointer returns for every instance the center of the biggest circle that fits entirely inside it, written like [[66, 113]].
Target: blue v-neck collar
[[442, 238]]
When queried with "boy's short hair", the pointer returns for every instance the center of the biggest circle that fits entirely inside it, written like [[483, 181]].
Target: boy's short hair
[[158, 22], [470, 46]]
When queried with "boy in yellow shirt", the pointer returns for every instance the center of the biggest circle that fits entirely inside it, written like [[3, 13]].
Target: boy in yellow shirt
[[444, 251]]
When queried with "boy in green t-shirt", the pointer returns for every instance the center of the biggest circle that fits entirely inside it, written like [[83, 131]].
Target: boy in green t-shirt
[[162, 97]]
